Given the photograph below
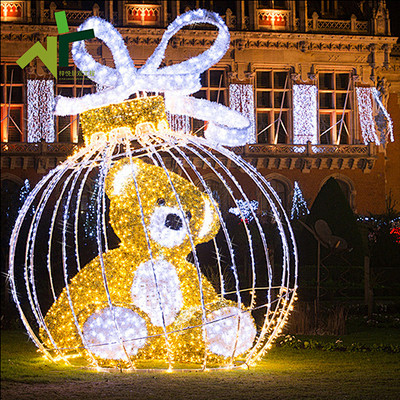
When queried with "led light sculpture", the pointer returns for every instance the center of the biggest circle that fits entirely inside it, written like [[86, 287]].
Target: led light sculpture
[[141, 301]]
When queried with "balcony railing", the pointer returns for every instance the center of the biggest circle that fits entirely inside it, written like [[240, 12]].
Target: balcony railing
[[38, 148], [336, 25], [74, 17], [250, 149], [309, 150]]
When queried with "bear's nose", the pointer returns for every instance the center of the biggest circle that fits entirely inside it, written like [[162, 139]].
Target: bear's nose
[[173, 221]]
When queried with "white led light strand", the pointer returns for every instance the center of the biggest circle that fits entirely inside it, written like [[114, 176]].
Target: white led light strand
[[244, 209], [389, 132], [241, 99], [305, 114], [179, 122], [367, 122], [40, 94], [299, 206], [225, 126]]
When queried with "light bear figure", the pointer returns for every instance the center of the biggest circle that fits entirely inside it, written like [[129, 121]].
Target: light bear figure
[[148, 301]]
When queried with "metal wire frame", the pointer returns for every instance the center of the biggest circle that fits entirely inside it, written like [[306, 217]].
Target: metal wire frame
[[72, 176]]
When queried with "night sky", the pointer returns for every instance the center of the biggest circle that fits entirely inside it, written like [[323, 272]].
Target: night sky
[[394, 13]]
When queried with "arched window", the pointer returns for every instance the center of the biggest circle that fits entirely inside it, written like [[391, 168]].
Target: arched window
[[219, 193], [281, 190], [282, 187], [347, 187]]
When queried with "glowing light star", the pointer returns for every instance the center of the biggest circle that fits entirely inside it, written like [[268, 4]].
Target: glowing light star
[[140, 299], [245, 209], [305, 114], [40, 94]]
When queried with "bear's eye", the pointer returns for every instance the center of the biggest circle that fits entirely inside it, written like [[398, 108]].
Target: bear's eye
[[161, 202], [189, 215]]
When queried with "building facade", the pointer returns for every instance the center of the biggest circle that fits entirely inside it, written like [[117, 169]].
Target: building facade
[[292, 61]]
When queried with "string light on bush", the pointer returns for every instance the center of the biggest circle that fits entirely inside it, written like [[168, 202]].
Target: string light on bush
[[141, 301], [305, 114], [40, 94]]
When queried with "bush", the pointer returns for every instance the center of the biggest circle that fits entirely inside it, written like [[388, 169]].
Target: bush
[[332, 206]]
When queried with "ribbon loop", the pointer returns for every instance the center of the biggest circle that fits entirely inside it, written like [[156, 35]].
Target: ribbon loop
[[176, 81]]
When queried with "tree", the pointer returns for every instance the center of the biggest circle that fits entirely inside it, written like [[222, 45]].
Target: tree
[[299, 205]]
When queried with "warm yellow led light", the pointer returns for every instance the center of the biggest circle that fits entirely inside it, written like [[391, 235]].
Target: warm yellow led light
[[127, 114], [87, 292]]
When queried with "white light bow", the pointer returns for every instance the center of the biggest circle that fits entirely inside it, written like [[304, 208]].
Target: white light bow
[[225, 126]]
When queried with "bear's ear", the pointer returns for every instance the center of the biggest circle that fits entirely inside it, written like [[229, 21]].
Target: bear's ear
[[120, 175]]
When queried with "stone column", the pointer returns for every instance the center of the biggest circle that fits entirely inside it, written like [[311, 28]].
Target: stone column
[[303, 16], [240, 15], [109, 10], [253, 15]]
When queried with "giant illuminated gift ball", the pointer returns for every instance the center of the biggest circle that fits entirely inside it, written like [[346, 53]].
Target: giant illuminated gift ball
[[181, 265]]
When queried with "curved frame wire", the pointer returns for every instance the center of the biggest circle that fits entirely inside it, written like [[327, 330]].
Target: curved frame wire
[[73, 175]]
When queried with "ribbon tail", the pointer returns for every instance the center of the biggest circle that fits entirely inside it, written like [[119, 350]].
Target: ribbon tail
[[225, 126]]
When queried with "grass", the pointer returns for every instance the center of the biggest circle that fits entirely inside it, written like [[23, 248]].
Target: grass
[[284, 374]]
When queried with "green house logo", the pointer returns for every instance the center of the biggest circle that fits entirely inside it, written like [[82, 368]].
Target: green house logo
[[49, 56]]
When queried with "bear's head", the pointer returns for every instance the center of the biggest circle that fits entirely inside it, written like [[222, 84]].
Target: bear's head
[[149, 205]]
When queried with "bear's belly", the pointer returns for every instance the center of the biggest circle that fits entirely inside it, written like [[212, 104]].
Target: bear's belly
[[157, 292]]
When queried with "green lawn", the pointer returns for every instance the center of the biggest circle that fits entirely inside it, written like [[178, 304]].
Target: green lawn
[[285, 373]]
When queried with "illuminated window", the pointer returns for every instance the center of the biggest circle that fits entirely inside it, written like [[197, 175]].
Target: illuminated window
[[12, 10], [71, 83], [335, 96], [213, 88], [12, 103], [143, 14], [273, 99]]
